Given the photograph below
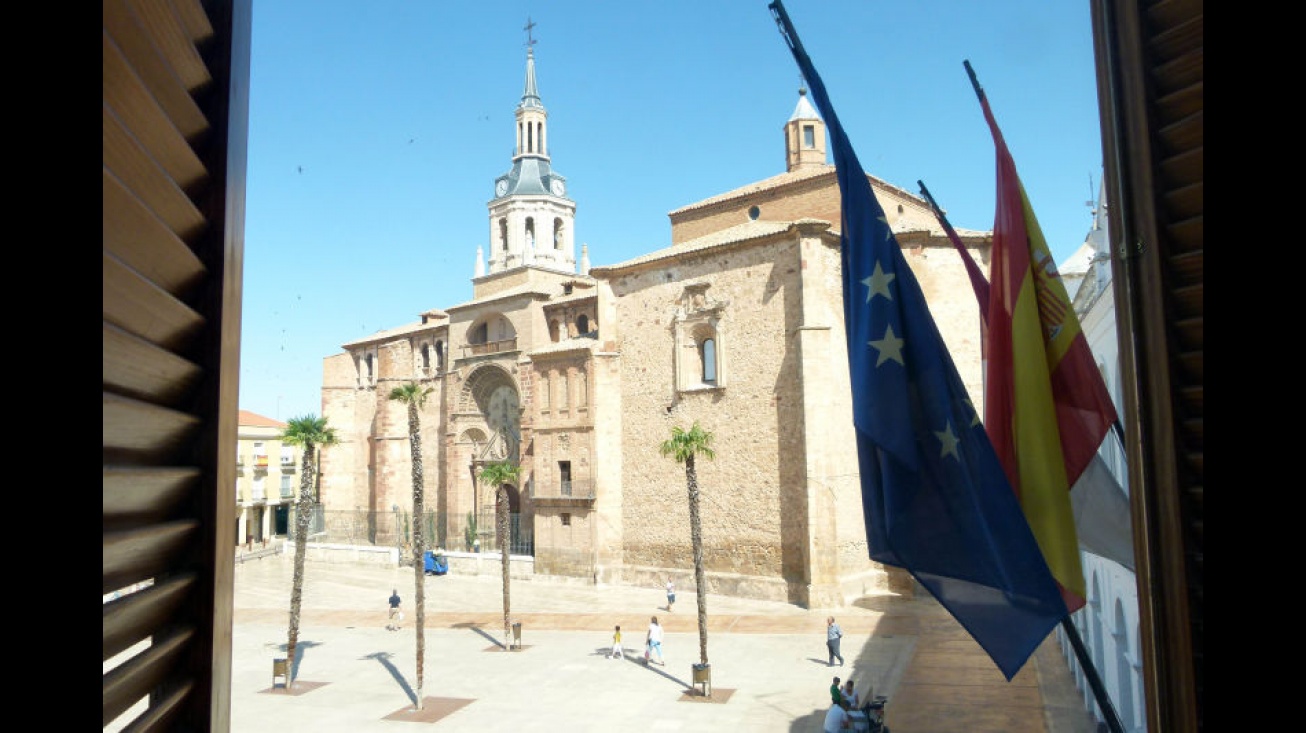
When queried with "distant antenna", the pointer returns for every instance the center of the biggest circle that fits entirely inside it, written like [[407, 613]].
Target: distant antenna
[[529, 25], [1092, 193]]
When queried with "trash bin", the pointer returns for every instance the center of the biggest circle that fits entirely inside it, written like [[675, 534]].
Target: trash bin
[[703, 676], [516, 635]]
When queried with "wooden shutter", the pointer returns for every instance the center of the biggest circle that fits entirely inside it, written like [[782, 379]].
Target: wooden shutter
[[175, 80], [1149, 59]]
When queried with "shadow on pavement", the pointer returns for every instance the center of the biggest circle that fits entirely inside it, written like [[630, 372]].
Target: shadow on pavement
[[384, 659], [300, 648], [477, 628]]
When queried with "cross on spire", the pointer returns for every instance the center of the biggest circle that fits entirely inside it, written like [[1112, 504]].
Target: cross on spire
[[529, 25]]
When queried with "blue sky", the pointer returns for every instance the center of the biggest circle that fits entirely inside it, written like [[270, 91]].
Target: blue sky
[[376, 130]]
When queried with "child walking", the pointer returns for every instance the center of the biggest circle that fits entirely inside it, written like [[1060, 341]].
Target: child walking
[[616, 652]]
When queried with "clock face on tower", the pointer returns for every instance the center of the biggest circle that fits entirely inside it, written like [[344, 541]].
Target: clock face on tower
[[557, 187], [501, 188]]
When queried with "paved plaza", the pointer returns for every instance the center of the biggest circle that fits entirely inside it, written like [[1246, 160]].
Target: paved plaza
[[768, 660]]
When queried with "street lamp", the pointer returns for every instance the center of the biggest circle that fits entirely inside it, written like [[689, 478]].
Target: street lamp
[[398, 549]]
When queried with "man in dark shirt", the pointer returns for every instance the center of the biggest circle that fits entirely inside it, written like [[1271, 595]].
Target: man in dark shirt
[[395, 614]]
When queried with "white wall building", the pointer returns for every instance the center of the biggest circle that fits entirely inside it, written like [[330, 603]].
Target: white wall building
[[1108, 624]]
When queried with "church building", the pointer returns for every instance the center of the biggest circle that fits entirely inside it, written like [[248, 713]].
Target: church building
[[580, 372]]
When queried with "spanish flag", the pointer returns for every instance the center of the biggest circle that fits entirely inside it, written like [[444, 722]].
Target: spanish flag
[[1046, 408]]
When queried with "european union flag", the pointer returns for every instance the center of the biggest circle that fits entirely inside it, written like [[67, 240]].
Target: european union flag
[[934, 495]]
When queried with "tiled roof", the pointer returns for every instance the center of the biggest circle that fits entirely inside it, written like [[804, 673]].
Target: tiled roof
[[740, 233], [255, 420]]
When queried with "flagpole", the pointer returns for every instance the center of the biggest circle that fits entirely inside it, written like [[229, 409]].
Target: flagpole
[[1067, 626]]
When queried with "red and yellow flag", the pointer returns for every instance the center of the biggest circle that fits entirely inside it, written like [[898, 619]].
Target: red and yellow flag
[[1046, 408]]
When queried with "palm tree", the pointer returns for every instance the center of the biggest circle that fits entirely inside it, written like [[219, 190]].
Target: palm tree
[[414, 395], [499, 474], [311, 432], [684, 446]]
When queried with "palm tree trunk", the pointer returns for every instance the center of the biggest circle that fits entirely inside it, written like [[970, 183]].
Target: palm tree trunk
[[419, 554], [696, 537], [502, 512], [301, 549]]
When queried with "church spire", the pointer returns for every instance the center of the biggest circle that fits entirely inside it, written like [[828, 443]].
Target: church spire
[[531, 218], [804, 135]]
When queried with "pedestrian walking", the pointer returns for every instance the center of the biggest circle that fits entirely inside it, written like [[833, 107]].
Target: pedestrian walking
[[653, 642], [832, 636], [671, 594], [395, 615], [616, 652]]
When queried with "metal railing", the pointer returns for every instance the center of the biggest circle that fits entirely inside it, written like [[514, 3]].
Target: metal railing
[[571, 489], [394, 529], [490, 347]]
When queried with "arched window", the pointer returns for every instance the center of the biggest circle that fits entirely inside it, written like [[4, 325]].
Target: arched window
[[368, 361], [426, 358], [480, 334], [557, 233], [554, 331], [707, 355], [439, 356], [503, 234], [530, 232], [583, 324]]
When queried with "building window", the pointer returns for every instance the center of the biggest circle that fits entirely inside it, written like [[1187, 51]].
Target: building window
[[564, 478], [530, 232], [707, 353], [553, 331], [439, 356], [503, 234], [809, 136], [426, 358], [367, 360], [753, 213], [557, 233], [286, 489], [583, 324], [566, 519]]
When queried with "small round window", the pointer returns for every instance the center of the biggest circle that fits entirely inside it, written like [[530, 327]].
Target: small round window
[[753, 213]]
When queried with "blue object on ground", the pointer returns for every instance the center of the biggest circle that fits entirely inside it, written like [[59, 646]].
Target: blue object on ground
[[436, 564]]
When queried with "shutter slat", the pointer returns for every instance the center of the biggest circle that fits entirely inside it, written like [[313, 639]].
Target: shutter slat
[[127, 97], [174, 42], [161, 712], [128, 161], [137, 495], [139, 429], [137, 677], [132, 618], [133, 233], [134, 367], [139, 51], [141, 554], [194, 20], [141, 307]]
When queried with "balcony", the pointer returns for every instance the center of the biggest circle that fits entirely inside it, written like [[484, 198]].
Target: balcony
[[258, 495], [261, 462], [287, 492], [287, 459], [490, 347], [576, 492]]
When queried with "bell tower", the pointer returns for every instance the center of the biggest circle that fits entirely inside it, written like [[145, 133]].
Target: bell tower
[[804, 136], [532, 222]]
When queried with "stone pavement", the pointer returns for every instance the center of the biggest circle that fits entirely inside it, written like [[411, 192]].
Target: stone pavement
[[768, 660]]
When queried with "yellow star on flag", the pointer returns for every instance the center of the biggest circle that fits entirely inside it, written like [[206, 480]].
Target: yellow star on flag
[[878, 283], [890, 347]]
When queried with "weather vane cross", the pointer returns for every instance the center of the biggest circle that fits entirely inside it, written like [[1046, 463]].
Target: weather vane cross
[[529, 25]]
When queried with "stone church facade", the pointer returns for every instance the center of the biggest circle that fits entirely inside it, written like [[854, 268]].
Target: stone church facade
[[579, 373]]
